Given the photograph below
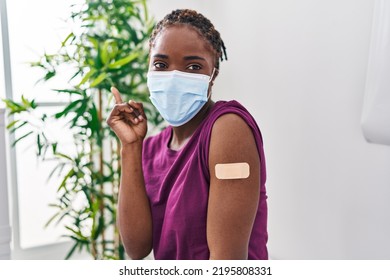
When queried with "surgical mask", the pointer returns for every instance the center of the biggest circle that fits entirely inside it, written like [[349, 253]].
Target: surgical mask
[[178, 96]]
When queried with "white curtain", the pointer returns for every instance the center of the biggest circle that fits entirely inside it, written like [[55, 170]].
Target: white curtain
[[376, 108]]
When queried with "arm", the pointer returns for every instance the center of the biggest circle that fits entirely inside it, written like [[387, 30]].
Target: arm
[[233, 203], [134, 217]]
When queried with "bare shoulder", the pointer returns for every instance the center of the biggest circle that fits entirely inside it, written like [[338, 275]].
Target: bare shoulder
[[229, 120], [231, 139]]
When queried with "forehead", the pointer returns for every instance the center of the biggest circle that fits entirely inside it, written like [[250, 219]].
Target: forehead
[[181, 38]]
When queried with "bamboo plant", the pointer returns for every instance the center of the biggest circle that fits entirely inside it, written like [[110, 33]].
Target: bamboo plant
[[108, 47]]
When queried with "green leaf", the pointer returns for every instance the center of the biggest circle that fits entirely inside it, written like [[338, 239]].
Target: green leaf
[[54, 148], [50, 74], [70, 91], [51, 219], [96, 231], [87, 76], [65, 179], [119, 63], [77, 233], [39, 144], [13, 129], [98, 80], [64, 156], [25, 102], [94, 42], [11, 124], [104, 56], [71, 251], [75, 75], [22, 137], [95, 124], [68, 109], [71, 35], [14, 106], [58, 167], [145, 10]]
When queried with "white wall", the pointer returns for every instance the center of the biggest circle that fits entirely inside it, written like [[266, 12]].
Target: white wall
[[300, 67]]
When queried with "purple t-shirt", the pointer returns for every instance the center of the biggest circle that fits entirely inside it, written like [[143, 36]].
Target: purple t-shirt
[[177, 184]]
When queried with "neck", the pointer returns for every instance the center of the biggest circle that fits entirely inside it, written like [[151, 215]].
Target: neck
[[182, 134]]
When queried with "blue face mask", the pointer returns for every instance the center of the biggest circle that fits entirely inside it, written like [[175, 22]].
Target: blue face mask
[[178, 96]]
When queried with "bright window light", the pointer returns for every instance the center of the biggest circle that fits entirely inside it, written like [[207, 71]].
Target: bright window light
[[36, 27]]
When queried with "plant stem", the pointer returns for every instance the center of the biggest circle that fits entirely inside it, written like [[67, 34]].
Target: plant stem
[[101, 170], [93, 241]]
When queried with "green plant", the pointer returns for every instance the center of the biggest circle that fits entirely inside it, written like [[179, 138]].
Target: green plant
[[108, 47]]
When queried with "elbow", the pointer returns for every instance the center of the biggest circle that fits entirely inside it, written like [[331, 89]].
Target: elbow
[[137, 247], [136, 240], [138, 252]]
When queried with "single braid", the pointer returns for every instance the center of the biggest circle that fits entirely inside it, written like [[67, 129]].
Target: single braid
[[200, 23]]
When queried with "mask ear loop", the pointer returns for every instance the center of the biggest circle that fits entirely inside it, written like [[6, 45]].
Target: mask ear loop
[[212, 74], [215, 70]]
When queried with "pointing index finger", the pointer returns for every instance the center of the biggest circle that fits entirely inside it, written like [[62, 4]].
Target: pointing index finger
[[117, 95]]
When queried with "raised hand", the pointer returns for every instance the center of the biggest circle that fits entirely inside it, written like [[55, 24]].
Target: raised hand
[[127, 120]]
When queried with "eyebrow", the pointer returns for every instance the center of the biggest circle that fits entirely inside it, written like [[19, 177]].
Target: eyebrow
[[193, 57], [189, 57], [164, 56]]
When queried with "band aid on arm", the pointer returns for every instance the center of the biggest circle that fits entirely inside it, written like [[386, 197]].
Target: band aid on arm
[[239, 170]]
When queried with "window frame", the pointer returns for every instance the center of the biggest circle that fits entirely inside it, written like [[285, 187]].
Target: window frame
[[56, 250]]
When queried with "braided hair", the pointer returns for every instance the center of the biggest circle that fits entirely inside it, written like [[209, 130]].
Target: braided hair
[[200, 23]]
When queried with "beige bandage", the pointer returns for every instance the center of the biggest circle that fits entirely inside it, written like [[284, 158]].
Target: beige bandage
[[239, 170]]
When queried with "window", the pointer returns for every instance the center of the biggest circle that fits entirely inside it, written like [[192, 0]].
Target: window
[[34, 27]]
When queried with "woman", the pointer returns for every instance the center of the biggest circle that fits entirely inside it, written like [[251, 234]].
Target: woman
[[197, 189]]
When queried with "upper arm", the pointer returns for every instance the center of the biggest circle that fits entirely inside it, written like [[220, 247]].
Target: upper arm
[[233, 203]]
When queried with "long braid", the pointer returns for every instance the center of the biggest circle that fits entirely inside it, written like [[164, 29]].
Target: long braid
[[200, 23]]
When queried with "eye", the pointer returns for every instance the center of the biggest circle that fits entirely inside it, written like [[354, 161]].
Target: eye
[[194, 67], [160, 65]]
